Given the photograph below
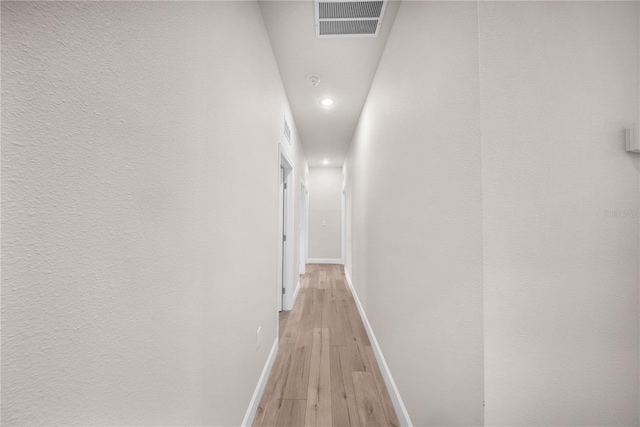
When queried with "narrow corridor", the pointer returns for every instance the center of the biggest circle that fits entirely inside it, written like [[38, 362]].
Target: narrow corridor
[[325, 373]]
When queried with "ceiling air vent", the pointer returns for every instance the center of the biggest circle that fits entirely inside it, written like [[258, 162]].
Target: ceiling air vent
[[349, 18], [287, 131]]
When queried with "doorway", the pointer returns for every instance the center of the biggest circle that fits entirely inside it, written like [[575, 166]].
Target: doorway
[[285, 230], [304, 227], [343, 219]]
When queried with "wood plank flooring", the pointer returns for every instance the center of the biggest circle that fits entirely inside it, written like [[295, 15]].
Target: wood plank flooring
[[325, 374]]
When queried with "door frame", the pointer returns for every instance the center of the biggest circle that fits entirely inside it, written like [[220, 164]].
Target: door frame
[[343, 220], [304, 226], [285, 228]]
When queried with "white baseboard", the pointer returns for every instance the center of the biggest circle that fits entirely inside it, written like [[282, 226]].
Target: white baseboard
[[401, 411], [295, 295], [325, 261], [262, 382]]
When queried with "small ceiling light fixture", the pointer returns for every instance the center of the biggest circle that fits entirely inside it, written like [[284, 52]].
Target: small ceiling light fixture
[[325, 162], [327, 102]]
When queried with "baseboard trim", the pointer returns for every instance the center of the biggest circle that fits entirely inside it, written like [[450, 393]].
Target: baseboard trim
[[398, 404], [295, 295], [262, 382], [325, 261]]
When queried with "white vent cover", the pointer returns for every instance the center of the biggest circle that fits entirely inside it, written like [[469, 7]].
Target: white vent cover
[[358, 18], [287, 131]]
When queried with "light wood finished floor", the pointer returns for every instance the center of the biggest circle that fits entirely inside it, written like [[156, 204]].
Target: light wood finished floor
[[325, 373]]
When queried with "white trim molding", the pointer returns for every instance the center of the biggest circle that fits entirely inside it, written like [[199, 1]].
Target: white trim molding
[[325, 261], [295, 295], [262, 382], [304, 226], [285, 219], [343, 219], [398, 404]]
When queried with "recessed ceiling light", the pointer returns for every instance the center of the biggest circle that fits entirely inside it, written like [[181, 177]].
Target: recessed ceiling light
[[325, 162], [326, 102]]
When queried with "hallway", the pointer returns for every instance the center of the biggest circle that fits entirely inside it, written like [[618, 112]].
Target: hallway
[[461, 178], [325, 373]]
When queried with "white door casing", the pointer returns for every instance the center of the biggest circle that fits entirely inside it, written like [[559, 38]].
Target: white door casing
[[285, 231]]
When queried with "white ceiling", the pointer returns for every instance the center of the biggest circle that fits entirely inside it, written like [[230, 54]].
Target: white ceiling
[[346, 67]]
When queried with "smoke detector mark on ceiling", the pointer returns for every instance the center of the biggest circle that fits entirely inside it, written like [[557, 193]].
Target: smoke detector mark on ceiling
[[348, 18], [313, 80]]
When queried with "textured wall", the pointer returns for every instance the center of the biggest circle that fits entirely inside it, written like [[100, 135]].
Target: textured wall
[[139, 221], [415, 212], [325, 213], [559, 84]]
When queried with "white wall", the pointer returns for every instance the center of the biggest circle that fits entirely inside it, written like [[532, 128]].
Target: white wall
[[559, 84], [139, 193], [413, 176], [530, 99], [325, 218]]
